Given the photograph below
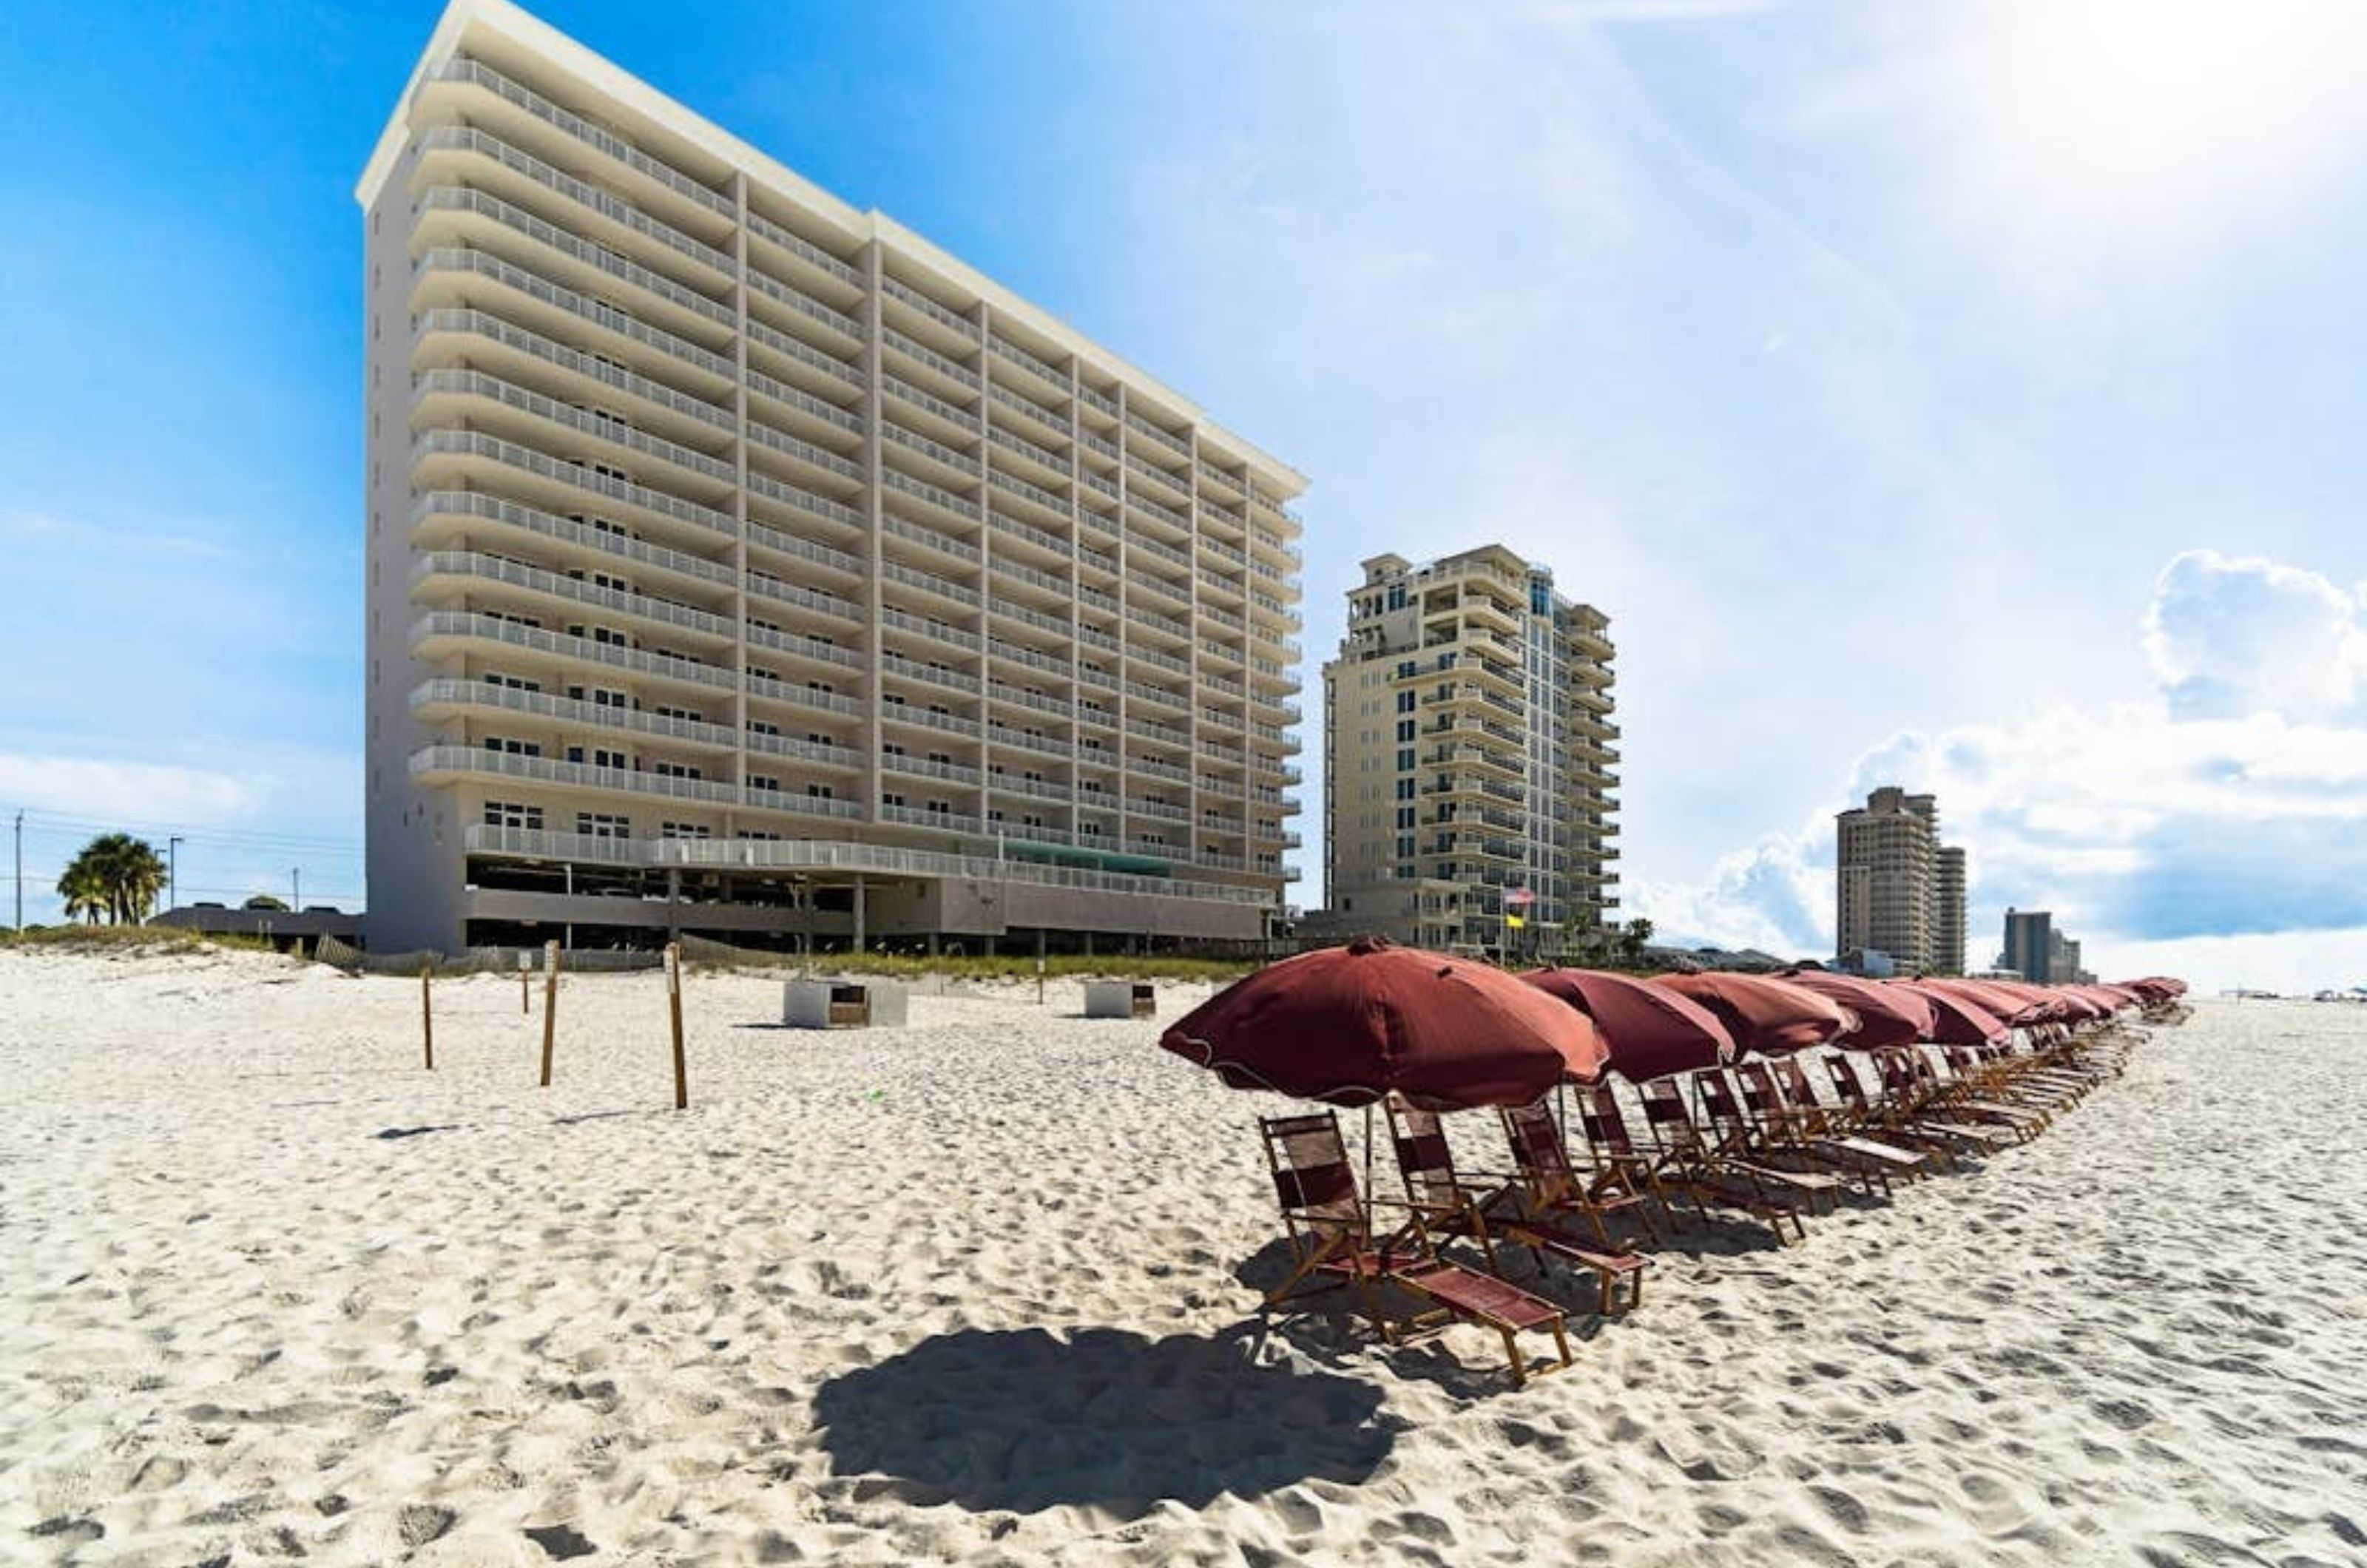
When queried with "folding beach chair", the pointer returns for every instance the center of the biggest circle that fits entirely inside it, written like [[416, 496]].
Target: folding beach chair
[[1916, 1077], [1900, 1117], [1683, 1166], [1741, 1138], [1726, 1157], [1778, 1097], [1333, 1243], [1450, 1206]]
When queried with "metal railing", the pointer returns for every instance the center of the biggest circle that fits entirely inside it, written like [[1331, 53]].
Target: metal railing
[[799, 245], [804, 549], [804, 353], [952, 413], [797, 302], [518, 220], [478, 566], [904, 293], [615, 208], [789, 446], [470, 443], [483, 264], [803, 501], [608, 372], [638, 721], [546, 770], [920, 353], [804, 647], [477, 384], [804, 402], [462, 69], [478, 503]]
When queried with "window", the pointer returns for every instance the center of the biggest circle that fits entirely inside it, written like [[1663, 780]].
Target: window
[[1405, 759], [769, 783], [1405, 816], [889, 797], [511, 682], [600, 696], [512, 748], [508, 814], [683, 830], [1405, 702], [1404, 731], [818, 791], [604, 825], [674, 770]]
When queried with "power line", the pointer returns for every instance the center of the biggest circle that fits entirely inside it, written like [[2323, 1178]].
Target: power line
[[256, 838]]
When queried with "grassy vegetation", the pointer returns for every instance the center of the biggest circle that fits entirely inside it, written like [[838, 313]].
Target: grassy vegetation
[[1112, 966], [126, 941]]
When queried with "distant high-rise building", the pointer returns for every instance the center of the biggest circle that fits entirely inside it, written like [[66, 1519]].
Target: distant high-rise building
[[2030, 939], [739, 561], [1469, 752], [1948, 902], [1899, 891]]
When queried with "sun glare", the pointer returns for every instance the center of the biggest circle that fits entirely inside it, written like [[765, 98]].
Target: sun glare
[[2144, 97]]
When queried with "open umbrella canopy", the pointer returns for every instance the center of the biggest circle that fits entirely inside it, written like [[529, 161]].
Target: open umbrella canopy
[[1347, 1025], [1955, 1019], [1651, 1030], [1768, 1016], [1886, 1015], [2002, 999]]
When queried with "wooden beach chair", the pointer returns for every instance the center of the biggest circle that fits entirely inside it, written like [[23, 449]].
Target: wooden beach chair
[[1675, 1171], [1770, 1150], [1790, 1117], [1916, 1077], [1724, 1152], [1333, 1243], [1489, 1214], [1901, 1118]]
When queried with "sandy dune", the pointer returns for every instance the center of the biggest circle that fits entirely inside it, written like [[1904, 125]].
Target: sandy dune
[[974, 1289]]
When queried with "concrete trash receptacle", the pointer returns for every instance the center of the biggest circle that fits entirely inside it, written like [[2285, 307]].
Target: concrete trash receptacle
[[842, 1004], [1120, 999]]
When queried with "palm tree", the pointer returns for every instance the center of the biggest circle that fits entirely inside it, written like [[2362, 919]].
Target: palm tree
[[116, 875], [85, 897]]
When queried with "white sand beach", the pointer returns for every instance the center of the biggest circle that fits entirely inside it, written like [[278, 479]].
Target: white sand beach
[[973, 1290]]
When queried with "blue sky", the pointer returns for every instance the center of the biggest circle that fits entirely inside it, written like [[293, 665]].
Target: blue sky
[[1959, 396]]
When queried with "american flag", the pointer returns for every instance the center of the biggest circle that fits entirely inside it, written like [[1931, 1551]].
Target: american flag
[[1519, 898]]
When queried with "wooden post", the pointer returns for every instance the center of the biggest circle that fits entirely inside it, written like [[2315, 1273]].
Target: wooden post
[[550, 1005], [1039, 979], [428, 1012], [526, 993], [673, 1006]]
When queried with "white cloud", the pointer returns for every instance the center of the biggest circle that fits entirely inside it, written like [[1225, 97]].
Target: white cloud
[[2231, 808], [145, 792]]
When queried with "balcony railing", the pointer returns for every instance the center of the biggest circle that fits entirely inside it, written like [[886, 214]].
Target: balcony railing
[[805, 646], [495, 568], [548, 770], [822, 458], [638, 721], [760, 684], [518, 220], [477, 384], [804, 549], [914, 349], [953, 414], [607, 371], [465, 623], [798, 246], [615, 208], [906, 294], [804, 402], [460, 258], [477, 504], [921, 534], [804, 353], [592, 136], [802, 303], [468, 444]]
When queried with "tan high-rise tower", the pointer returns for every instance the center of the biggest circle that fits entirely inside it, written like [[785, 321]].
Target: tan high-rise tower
[[1900, 891], [1468, 758], [741, 562]]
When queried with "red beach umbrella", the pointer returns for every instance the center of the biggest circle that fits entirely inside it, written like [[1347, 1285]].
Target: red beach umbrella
[[2013, 1003], [1347, 1025], [1956, 1021], [1886, 1015], [1768, 1016], [1651, 1030]]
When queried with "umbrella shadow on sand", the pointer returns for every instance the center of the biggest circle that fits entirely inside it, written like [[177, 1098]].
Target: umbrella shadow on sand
[[1023, 1420]]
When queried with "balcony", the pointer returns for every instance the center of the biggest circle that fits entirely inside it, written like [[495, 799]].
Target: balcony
[[944, 821], [772, 689], [467, 566], [461, 70], [434, 506], [431, 385], [439, 626], [461, 209], [805, 250], [448, 764], [461, 444], [612, 376], [929, 582], [614, 209], [923, 767], [805, 354], [904, 294], [436, 265], [443, 698], [929, 359]]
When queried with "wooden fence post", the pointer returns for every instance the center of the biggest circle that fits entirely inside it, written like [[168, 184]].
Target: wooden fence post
[[526, 993], [673, 1006], [550, 1005], [428, 1012]]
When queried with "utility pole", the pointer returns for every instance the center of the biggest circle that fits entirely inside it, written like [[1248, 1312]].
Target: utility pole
[[20, 871], [172, 872], [296, 876]]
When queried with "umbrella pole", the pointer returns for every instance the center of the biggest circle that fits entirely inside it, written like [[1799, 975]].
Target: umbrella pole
[[1369, 1193]]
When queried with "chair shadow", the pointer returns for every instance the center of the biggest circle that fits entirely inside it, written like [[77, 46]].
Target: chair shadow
[[1023, 1421]]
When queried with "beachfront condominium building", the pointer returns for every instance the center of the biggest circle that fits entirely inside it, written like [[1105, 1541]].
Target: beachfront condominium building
[[1468, 754], [1899, 891], [740, 562], [2036, 949]]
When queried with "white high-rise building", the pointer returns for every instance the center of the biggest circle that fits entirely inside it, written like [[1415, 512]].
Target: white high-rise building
[[738, 562]]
